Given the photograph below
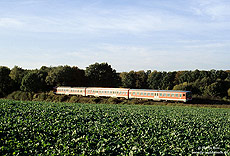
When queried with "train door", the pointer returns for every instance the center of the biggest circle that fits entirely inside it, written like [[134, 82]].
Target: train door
[[156, 96], [67, 92]]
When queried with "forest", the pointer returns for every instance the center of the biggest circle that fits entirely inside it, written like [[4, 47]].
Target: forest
[[206, 84]]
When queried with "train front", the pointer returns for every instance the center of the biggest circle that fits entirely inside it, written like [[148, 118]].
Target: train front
[[188, 96]]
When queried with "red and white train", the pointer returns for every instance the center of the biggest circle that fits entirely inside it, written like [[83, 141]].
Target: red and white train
[[158, 95]]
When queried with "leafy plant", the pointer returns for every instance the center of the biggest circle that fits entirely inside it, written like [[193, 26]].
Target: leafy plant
[[42, 128]]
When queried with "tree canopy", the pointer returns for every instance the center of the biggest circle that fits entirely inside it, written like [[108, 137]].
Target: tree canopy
[[213, 83], [5, 81], [101, 75]]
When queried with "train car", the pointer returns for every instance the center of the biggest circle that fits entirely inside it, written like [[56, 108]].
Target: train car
[[71, 90], [108, 92], [158, 95]]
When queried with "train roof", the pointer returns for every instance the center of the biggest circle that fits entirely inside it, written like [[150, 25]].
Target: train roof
[[159, 90], [106, 88], [127, 89]]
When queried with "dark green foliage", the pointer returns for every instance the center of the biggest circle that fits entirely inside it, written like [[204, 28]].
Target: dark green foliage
[[65, 76], [17, 75], [134, 79], [113, 100], [128, 80], [34, 81], [213, 83], [216, 89], [155, 80], [35, 128], [5, 81], [74, 99], [20, 95], [101, 75]]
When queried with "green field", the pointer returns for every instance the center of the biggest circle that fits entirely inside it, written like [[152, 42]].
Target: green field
[[40, 128]]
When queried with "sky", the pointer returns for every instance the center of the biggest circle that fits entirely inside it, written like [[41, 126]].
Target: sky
[[162, 35]]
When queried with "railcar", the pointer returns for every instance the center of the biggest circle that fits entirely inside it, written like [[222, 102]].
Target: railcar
[[108, 92], [71, 90], [158, 95]]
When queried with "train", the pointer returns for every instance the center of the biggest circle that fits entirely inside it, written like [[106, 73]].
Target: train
[[156, 95]]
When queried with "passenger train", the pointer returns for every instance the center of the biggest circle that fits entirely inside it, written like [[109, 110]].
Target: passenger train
[[158, 95]]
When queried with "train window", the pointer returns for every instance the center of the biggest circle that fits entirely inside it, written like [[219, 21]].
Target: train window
[[172, 95], [145, 94], [164, 94], [99, 91], [160, 94], [138, 93], [168, 95], [141, 93], [176, 95], [133, 93], [148, 94]]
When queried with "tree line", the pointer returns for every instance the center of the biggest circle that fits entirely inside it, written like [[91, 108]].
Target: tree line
[[213, 83]]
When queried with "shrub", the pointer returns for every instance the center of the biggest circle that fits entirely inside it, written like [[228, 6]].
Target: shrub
[[20, 95], [74, 99], [114, 101]]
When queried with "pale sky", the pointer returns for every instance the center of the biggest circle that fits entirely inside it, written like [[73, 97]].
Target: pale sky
[[163, 35]]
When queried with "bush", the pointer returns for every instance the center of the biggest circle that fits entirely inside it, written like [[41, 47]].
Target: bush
[[74, 99], [114, 101], [63, 98], [95, 100], [20, 95]]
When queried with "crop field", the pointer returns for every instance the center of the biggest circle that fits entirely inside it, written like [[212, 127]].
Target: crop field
[[40, 128]]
